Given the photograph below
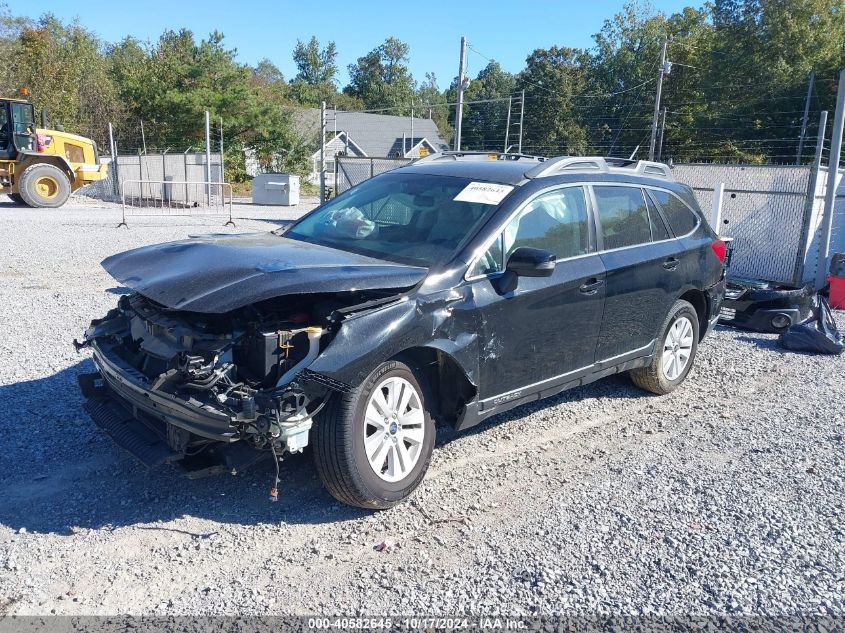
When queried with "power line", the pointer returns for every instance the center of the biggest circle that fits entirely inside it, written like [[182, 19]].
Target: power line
[[555, 92]]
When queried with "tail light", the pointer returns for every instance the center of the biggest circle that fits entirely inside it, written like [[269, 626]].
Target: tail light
[[720, 249]]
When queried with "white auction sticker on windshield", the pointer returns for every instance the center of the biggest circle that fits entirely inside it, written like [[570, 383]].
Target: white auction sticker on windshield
[[484, 193]]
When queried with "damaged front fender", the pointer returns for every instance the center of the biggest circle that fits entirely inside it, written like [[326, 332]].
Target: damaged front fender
[[443, 323]]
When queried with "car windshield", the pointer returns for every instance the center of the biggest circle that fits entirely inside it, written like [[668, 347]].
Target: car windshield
[[410, 218]]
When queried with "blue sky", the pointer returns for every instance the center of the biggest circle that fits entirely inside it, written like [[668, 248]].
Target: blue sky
[[504, 30]]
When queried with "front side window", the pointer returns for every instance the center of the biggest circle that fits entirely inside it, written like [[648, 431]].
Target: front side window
[[623, 216], [490, 261], [556, 222], [403, 217], [4, 128], [679, 216]]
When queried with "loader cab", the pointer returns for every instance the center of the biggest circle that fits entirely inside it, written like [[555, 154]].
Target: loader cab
[[17, 128]]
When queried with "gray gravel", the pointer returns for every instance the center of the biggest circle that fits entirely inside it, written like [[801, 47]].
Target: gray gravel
[[725, 497]]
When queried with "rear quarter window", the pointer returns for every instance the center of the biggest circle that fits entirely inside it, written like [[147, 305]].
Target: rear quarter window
[[680, 217]]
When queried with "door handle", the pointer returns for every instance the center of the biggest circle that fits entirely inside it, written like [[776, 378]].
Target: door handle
[[671, 263], [591, 286]]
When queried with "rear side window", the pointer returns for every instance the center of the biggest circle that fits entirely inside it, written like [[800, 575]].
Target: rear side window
[[658, 228], [680, 217], [623, 216]]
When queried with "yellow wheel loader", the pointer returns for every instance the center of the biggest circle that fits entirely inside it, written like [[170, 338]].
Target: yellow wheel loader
[[40, 167]]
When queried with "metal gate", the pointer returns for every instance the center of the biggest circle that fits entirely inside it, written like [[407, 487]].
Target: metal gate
[[175, 198]]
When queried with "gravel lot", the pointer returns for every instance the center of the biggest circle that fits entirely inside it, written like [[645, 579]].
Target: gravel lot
[[725, 497]]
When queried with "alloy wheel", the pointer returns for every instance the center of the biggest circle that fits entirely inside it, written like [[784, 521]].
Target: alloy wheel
[[394, 429], [677, 348]]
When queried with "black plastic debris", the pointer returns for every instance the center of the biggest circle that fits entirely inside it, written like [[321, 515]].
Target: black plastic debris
[[837, 265], [764, 306], [818, 334]]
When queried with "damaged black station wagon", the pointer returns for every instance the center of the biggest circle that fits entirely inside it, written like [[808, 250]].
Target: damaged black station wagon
[[440, 293]]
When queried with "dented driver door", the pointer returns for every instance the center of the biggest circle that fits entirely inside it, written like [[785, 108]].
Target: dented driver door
[[545, 329]]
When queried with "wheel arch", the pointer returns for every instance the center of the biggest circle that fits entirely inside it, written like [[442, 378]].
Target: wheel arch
[[28, 160], [699, 301], [450, 385]]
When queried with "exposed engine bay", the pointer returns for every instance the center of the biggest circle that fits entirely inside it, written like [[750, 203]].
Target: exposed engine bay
[[203, 379]]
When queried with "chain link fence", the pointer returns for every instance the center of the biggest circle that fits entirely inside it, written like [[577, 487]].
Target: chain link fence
[[766, 209], [350, 170]]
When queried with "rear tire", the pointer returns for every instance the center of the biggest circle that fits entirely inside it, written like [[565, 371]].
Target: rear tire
[[370, 455], [17, 198], [44, 186], [675, 353]]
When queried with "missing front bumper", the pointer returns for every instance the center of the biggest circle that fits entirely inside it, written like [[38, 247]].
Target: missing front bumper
[[151, 441], [126, 384], [131, 434], [158, 427]]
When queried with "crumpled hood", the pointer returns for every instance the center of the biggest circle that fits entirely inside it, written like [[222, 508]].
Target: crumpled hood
[[219, 273]]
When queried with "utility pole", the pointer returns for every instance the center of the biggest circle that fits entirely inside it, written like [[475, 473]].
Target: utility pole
[[830, 190], [222, 170], [660, 72], [660, 140], [208, 156], [412, 126], [812, 187], [459, 109], [508, 124], [143, 138], [521, 118], [322, 151], [805, 117]]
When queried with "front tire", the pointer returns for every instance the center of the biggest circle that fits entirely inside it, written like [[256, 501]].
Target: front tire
[[373, 445], [675, 353], [44, 186]]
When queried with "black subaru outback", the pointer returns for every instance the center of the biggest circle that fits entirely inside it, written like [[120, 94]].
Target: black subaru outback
[[444, 292]]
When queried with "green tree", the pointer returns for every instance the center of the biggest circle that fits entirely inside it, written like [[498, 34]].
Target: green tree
[[381, 78], [316, 73], [267, 73], [433, 103], [315, 65], [171, 84], [64, 68], [622, 70], [552, 78], [483, 125]]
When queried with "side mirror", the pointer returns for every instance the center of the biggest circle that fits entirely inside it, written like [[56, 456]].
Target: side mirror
[[525, 262], [531, 262]]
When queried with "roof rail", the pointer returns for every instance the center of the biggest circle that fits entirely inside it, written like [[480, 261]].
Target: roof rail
[[476, 155], [561, 164]]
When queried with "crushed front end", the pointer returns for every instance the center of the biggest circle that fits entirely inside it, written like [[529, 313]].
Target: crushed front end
[[218, 390]]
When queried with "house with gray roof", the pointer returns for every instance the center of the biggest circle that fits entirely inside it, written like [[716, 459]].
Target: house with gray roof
[[366, 135]]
